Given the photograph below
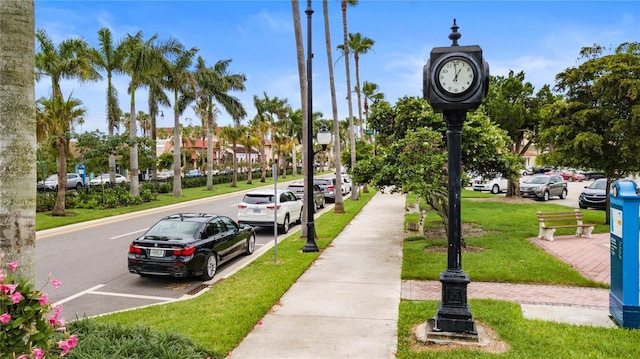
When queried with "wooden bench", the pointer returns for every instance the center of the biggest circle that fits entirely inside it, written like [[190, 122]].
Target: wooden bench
[[547, 222]]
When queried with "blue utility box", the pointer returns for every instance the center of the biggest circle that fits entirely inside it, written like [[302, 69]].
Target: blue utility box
[[624, 296], [83, 173]]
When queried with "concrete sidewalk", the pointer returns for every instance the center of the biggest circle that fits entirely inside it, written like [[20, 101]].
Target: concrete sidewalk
[[346, 304]]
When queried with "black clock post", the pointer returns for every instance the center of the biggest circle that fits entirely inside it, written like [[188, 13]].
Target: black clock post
[[456, 80]]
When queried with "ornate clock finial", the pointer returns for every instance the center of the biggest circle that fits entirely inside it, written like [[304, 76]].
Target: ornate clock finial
[[454, 35]]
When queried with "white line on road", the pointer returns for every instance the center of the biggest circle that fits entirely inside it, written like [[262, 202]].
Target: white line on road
[[130, 233], [77, 295], [150, 297]]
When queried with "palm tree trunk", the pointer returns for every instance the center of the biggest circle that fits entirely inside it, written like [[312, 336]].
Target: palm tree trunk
[[133, 149], [18, 135], [339, 203], [357, 61], [59, 206], [177, 173], [210, 152], [352, 135]]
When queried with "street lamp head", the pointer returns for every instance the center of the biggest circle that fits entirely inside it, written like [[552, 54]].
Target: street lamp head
[[323, 137], [162, 115]]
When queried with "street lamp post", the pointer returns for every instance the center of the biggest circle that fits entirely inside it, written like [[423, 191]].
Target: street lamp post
[[324, 138]]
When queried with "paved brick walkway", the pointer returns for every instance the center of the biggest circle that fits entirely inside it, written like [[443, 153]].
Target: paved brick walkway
[[588, 256]]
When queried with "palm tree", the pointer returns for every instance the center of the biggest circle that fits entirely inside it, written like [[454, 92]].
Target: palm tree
[[110, 57], [214, 83], [18, 139], [142, 61], [56, 118], [359, 45], [180, 81], [233, 135], [260, 127], [249, 141], [339, 202], [371, 92], [345, 48]]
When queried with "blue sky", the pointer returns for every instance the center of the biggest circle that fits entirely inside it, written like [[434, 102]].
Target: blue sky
[[541, 38]]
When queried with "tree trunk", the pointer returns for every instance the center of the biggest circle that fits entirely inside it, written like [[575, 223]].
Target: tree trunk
[[18, 135], [339, 202], [352, 135], [177, 172], [210, 152], [133, 148], [59, 206]]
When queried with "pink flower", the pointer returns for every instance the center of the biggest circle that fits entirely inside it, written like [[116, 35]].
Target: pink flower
[[44, 299], [38, 353], [55, 283], [23, 356], [72, 341], [16, 297], [8, 288], [13, 265], [5, 318], [64, 345]]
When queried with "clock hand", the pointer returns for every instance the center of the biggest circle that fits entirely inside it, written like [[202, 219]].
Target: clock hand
[[455, 78]]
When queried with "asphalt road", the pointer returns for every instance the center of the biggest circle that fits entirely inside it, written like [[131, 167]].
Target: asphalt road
[[90, 260]]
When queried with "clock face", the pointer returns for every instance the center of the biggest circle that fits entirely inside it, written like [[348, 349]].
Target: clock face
[[455, 76]]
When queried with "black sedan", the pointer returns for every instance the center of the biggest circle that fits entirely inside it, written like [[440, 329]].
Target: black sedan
[[189, 244]]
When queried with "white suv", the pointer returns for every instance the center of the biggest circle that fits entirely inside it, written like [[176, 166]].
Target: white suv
[[258, 206], [495, 185]]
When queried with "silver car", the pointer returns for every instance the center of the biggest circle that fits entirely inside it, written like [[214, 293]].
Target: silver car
[[544, 186], [318, 195]]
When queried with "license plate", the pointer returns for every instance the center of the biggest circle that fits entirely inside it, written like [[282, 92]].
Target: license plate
[[256, 210], [154, 252]]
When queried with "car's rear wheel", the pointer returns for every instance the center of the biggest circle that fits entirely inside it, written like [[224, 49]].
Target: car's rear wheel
[[545, 196], [251, 244], [495, 189], [299, 221], [322, 203], [284, 228], [563, 195], [210, 266]]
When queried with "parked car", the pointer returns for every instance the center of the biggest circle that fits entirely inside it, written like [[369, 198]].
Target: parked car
[[592, 175], [164, 175], [346, 184], [193, 173], [495, 185], [572, 176], [543, 187], [595, 194], [258, 206], [104, 180], [74, 181], [318, 195], [189, 244], [328, 186]]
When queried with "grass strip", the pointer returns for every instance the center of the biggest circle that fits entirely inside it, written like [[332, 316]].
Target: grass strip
[[220, 318], [526, 338]]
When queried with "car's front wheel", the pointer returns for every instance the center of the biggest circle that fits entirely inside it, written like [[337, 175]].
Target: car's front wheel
[[322, 203], [545, 196], [563, 195], [210, 266], [251, 245], [495, 189]]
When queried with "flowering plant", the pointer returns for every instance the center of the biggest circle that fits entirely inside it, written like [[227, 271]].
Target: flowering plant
[[29, 323]]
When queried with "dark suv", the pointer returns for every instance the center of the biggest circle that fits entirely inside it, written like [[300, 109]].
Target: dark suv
[[544, 186], [328, 186]]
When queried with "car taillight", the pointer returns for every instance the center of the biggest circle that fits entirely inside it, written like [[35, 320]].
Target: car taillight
[[134, 250], [183, 252], [330, 188], [242, 206], [272, 206]]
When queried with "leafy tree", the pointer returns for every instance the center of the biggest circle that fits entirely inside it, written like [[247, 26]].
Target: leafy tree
[[234, 135], [411, 150], [56, 117], [511, 104], [597, 124], [93, 146], [17, 135]]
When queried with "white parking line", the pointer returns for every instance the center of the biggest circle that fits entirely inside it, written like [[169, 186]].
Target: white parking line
[[150, 297], [130, 233], [93, 290]]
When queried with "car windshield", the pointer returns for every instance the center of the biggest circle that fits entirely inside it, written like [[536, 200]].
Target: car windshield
[[173, 228], [537, 180], [599, 185], [52, 178], [258, 198]]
